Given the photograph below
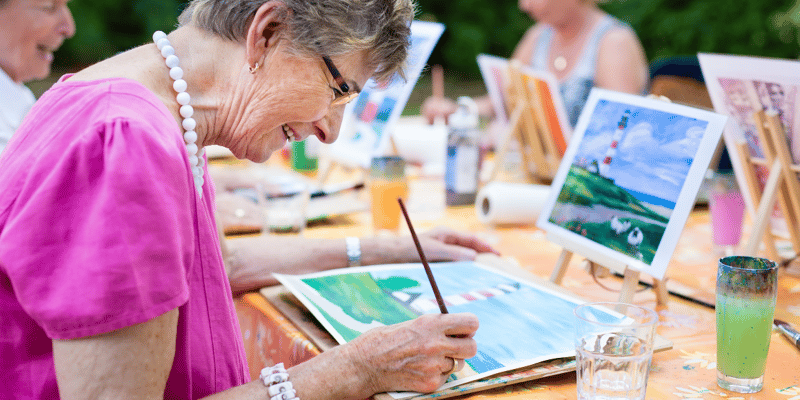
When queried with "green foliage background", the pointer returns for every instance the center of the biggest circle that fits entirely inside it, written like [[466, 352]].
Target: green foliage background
[[666, 27]]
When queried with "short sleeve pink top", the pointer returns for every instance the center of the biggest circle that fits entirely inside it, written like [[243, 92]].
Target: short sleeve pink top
[[101, 228]]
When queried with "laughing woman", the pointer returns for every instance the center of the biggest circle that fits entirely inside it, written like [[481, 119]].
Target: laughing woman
[[112, 283], [32, 31]]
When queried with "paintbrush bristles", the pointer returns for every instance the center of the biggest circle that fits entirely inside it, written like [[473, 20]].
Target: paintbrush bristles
[[428, 271]]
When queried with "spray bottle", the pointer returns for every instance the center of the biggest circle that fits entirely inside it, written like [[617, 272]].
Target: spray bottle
[[462, 165]]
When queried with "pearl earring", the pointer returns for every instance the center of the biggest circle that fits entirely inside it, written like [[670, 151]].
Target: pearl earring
[[254, 68]]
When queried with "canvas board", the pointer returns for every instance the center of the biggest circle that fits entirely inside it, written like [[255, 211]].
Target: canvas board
[[494, 71], [522, 323], [740, 86], [629, 179], [367, 121]]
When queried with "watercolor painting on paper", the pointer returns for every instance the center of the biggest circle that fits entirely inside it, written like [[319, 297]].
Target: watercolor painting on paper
[[521, 323]]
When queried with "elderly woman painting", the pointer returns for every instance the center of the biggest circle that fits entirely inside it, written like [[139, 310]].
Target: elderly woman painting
[[112, 283]]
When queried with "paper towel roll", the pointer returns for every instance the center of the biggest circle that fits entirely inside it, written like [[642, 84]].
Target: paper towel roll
[[510, 203]]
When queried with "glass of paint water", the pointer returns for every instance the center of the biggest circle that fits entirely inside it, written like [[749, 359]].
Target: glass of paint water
[[284, 212], [614, 347], [746, 294], [727, 212], [387, 184]]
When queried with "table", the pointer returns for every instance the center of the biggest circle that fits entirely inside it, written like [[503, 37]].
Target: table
[[687, 371]]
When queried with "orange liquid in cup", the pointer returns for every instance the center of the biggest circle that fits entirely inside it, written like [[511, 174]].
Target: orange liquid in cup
[[385, 208]]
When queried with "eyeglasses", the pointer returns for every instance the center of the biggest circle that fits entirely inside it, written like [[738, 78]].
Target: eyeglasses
[[343, 95]]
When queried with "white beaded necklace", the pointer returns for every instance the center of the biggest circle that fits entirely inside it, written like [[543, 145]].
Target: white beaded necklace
[[196, 159]]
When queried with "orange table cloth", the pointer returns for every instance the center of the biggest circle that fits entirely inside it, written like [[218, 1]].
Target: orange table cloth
[[688, 371]]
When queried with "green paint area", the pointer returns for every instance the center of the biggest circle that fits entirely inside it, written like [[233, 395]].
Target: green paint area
[[587, 189], [397, 283], [363, 299], [744, 327]]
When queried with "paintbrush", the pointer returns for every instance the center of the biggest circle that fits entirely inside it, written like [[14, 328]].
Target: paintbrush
[[792, 334], [428, 271]]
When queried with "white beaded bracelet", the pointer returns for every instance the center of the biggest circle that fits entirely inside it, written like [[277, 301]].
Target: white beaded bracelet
[[276, 379]]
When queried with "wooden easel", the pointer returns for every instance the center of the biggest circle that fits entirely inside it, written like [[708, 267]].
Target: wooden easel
[[629, 283], [527, 125], [326, 166], [782, 184]]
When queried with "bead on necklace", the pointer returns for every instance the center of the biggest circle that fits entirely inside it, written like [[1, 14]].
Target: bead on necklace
[[196, 159]]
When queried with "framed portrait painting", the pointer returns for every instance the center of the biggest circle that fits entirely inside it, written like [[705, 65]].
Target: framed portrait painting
[[739, 86]]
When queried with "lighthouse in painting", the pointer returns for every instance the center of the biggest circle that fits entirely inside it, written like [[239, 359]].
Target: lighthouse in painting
[[612, 150], [422, 304]]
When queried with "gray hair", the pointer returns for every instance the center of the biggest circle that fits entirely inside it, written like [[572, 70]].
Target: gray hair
[[321, 27]]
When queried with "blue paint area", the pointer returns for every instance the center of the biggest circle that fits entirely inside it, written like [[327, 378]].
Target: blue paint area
[[644, 197], [483, 362], [530, 323]]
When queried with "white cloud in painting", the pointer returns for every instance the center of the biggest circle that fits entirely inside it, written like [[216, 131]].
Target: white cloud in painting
[[671, 175], [650, 158], [686, 147], [638, 143], [597, 145]]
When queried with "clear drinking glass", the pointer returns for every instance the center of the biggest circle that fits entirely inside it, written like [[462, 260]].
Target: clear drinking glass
[[387, 183], [613, 352], [746, 295], [284, 212]]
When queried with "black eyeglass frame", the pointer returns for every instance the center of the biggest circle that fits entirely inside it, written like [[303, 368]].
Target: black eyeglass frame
[[346, 94]]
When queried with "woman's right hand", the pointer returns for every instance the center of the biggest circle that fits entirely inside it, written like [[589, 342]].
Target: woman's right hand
[[437, 107], [415, 355]]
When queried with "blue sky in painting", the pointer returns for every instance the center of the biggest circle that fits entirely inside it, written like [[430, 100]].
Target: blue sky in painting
[[528, 324], [655, 152]]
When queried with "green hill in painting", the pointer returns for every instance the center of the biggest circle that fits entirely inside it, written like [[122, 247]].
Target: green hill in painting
[[585, 188], [361, 298]]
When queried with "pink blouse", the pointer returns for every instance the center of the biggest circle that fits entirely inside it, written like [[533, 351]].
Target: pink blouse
[[101, 228]]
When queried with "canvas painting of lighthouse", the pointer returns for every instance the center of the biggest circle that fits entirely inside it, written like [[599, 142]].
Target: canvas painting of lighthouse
[[629, 179], [522, 323]]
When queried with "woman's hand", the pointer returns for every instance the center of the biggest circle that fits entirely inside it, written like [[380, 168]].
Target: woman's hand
[[434, 108], [415, 355], [439, 244], [238, 214], [445, 244]]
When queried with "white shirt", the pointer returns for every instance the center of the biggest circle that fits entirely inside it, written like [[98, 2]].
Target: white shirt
[[15, 102]]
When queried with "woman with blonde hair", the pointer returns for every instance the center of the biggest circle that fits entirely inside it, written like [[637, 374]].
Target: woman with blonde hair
[[112, 281]]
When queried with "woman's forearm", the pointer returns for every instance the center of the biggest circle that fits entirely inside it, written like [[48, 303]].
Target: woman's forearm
[[251, 261]]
